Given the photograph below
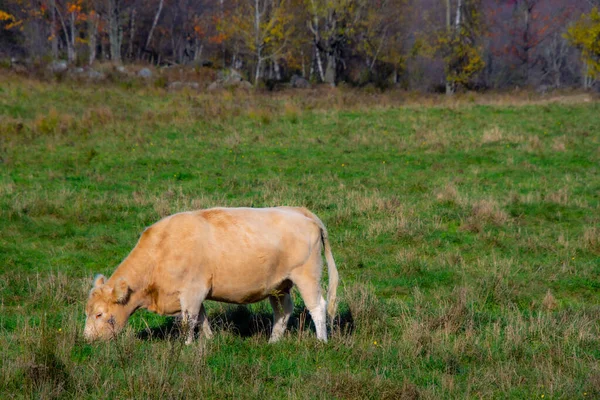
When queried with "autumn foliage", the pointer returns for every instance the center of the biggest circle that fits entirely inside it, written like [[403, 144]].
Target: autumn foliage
[[442, 45]]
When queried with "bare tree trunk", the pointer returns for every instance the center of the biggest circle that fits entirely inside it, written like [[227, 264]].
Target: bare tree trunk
[[53, 32], [314, 28], [457, 22], [449, 90], [257, 42], [276, 70], [330, 69], [131, 33], [376, 55], [156, 17], [311, 71], [555, 56], [93, 21], [73, 35], [114, 30], [319, 64], [452, 31], [448, 14], [587, 79], [527, 50], [70, 50], [258, 70], [198, 51], [222, 11]]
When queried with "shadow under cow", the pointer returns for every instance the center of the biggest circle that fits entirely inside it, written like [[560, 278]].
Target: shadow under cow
[[245, 323]]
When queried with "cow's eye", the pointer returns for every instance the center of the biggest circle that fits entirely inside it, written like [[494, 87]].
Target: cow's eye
[[98, 315]]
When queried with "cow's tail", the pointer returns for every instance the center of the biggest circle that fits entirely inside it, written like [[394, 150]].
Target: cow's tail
[[331, 268], [333, 274]]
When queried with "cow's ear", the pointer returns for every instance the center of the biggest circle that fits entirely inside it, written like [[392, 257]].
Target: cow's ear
[[99, 280], [121, 291]]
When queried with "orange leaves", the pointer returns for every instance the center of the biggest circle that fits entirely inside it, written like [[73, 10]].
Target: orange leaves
[[218, 38], [73, 8]]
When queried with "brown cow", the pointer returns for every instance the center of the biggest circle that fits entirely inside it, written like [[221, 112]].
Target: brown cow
[[234, 255]]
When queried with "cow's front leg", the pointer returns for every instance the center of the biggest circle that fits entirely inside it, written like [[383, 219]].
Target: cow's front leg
[[188, 325], [191, 307]]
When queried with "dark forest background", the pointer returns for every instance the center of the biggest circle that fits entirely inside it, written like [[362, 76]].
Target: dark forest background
[[429, 45]]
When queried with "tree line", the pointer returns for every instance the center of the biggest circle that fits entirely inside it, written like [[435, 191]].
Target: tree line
[[436, 45]]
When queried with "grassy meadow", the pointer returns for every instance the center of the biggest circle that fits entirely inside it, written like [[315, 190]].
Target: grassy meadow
[[466, 233]]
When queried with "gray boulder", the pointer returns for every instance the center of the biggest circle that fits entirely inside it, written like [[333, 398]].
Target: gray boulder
[[232, 79], [93, 74], [543, 89], [299, 82], [180, 85], [58, 66], [145, 73], [17, 66], [243, 85], [214, 86], [229, 74]]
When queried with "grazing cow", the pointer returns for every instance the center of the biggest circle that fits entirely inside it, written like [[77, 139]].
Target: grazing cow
[[234, 255]]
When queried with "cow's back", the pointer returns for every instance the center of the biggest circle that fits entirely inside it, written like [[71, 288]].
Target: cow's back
[[242, 254]]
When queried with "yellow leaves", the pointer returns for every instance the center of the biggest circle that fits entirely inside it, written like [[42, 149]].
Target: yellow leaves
[[463, 61], [4, 16], [270, 35], [11, 21], [585, 34], [457, 45]]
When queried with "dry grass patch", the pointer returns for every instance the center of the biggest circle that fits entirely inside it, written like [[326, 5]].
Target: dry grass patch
[[455, 314], [492, 135], [360, 386], [559, 144], [406, 256], [366, 309], [10, 126], [7, 188], [53, 123], [591, 239], [368, 202], [484, 212], [534, 144], [100, 115], [433, 139], [560, 196], [292, 112], [448, 194], [262, 115], [232, 140], [549, 303]]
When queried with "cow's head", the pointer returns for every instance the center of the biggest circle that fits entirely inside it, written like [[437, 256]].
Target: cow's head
[[106, 309]]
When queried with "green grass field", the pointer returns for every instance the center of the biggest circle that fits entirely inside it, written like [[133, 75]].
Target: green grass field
[[466, 233]]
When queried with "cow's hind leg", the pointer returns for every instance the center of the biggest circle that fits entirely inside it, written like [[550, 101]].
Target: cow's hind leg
[[307, 278], [192, 311], [283, 306], [203, 321]]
